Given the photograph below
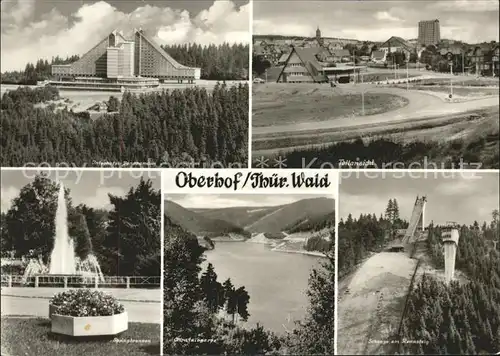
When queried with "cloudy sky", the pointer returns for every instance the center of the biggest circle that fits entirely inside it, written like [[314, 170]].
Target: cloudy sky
[[87, 187], [33, 29], [471, 21], [215, 201], [461, 197]]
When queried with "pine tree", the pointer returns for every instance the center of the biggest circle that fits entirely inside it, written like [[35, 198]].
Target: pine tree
[[389, 210], [81, 235], [210, 288]]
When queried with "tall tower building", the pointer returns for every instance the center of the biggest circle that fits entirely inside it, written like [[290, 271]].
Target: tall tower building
[[450, 236], [428, 33]]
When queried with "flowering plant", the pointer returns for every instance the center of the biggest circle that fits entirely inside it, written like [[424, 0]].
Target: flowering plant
[[85, 302]]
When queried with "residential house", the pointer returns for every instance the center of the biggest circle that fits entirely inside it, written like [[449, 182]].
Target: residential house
[[397, 44], [302, 66], [312, 65], [341, 56], [496, 56], [332, 46], [481, 59], [379, 57]]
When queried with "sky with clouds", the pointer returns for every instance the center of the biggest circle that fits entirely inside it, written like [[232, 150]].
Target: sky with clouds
[[215, 201], [33, 29], [86, 187], [471, 21], [458, 197]]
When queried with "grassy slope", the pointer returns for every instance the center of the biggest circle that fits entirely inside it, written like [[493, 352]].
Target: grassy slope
[[474, 137], [317, 105]]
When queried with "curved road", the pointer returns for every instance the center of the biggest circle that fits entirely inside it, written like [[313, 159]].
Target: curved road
[[421, 105]]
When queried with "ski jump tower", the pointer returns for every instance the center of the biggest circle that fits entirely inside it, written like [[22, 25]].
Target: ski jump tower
[[449, 237], [417, 221]]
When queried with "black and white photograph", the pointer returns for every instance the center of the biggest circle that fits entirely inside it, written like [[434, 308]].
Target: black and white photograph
[[375, 84], [115, 84], [249, 274], [419, 264], [81, 263]]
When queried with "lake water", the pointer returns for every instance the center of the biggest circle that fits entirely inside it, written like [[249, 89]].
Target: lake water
[[275, 281]]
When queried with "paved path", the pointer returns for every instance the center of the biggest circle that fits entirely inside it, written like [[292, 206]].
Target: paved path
[[421, 105], [142, 305]]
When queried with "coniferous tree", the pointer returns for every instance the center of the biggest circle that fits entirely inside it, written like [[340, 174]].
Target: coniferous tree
[[210, 288], [81, 235], [189, 126]]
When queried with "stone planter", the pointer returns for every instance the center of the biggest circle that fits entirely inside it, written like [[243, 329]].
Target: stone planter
[[52, 310], [89, 325]]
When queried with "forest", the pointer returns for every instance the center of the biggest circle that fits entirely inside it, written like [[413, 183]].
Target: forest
[[193, 302], [360, 237], [386, 153], [462, 318], [32, 73], [177, 128], [222, 62], [313, 224], [125, 239]]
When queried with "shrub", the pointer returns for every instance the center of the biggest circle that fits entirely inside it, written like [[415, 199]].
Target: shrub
[[85, 302]]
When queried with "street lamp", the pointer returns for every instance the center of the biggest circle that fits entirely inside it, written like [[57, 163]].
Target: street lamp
[[449, 56], [362, 96], [407, 76], [451, 80]]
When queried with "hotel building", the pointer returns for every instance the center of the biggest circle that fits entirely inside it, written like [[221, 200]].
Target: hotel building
[[116, 61], [428, 33]]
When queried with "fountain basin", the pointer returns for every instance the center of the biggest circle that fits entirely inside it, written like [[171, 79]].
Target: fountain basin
[[89, 325]]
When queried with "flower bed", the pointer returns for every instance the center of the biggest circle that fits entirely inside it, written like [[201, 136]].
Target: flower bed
[[87, 312]]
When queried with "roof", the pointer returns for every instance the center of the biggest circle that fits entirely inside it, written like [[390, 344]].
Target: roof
[[451, 49], [341, 52], [396, 41], [283, 57], [308, 58]]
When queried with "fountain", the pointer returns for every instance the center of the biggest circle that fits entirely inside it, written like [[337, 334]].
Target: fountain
[[63, 260]]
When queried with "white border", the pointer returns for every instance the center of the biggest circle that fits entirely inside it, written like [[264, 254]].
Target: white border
[[250, 83], [162, 269], [337, 215]]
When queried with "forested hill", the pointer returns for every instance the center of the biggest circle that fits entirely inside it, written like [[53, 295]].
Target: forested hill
[[173, 128], [464, 317], [223, 62], [198, 224], [314, 224], [278, 218]]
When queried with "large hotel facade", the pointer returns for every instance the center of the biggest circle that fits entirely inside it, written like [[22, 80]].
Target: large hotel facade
[[429, 33], [117, 62]]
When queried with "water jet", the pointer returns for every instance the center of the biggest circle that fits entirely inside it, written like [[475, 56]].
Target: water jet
[[63, 263]]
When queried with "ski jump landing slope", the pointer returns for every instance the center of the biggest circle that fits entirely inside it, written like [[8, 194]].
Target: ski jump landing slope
[[371, 303]]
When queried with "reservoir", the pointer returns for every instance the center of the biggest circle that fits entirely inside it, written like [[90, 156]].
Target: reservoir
[[275, 281]]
